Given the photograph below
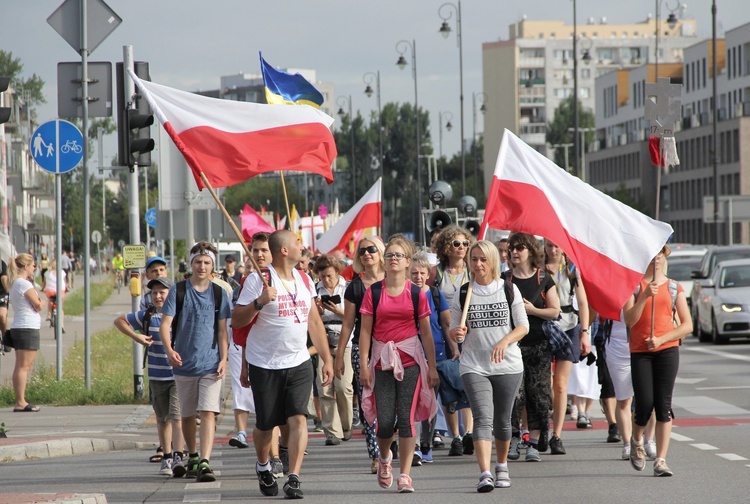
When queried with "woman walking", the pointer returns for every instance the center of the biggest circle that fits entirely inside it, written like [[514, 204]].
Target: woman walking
[[24, 329], [655, 358], [397, 381], [491, 365]]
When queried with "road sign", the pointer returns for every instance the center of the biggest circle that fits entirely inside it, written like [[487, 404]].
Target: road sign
[[151, 217], [134, 256], [57, 146], [101, 20], [121, 244], [69, 90], [96, 237]]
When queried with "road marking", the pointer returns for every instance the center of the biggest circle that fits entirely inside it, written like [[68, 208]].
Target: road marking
[[202, 498], [203, 486], [708, 406], [731, 456], [704, 446], [688, 381], [718, 353], [730, 387], [680, 437]]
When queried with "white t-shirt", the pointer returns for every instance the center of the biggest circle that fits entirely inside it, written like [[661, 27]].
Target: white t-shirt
[[50, 281], [24, 314], [278, 338]]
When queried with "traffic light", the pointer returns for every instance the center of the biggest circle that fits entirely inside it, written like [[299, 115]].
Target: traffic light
[[4, 111], [133, 124]]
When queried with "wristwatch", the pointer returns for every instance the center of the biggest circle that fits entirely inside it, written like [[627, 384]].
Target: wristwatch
[[584, 330], [257, 305]]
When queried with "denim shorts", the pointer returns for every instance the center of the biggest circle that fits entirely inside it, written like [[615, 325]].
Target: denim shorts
[[452, 394]]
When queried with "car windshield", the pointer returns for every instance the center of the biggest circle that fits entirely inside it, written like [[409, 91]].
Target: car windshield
[[735, 276], [681, 270], [726, 256]]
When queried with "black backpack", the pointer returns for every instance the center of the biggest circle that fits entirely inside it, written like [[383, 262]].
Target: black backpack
[[377, 289], [146, 323], [509, 296], [218, 292]]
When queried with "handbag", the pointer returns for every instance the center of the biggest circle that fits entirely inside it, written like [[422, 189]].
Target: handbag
[[333, 337], [7, 339], [558, 340]]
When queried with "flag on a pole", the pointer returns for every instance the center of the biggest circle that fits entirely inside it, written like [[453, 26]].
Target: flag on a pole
[[283, 88], [365, 214], [253, 223], [230, 141], [610, 242]]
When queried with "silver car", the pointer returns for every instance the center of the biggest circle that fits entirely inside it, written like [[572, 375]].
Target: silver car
[[725, 306]]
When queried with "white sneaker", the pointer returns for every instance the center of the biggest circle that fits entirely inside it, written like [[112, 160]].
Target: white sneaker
[[166, 466], [574, 413], [651, 449], [626, 451]]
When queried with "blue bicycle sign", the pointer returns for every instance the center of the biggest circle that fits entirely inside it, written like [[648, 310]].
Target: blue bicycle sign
[[57, 146]]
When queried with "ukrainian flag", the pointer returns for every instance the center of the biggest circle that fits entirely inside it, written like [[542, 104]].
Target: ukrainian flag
[[283, 88]]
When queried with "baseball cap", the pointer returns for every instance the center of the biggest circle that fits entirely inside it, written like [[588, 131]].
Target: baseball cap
[[155, 259], [231, 258], [166, 282]]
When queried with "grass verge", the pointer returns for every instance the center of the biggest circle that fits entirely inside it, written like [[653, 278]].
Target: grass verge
[[111, 376], [100, 292]]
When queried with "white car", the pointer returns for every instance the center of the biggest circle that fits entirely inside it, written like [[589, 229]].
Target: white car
[[681, 269], [725, 307]]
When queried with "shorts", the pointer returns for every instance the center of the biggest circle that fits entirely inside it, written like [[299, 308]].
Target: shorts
[[25, 339], [571, 354], [280, 393], [51, 294], [452, 394], [198, 393], [164, 400]]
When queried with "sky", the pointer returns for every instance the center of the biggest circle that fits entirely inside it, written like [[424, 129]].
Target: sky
[[190, 44]]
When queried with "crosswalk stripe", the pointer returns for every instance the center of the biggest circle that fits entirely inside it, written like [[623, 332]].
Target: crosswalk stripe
[[731, 456], [202, 498], [704, 446], [680, 437], [708, 406]]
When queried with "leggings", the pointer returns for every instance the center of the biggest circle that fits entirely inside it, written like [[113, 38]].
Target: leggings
[[491, 398], [654, 374], [372, 443], [428, 428], [396, 401], [536, 387]]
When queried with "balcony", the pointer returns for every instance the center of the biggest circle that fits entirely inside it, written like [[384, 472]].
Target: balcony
[[41, 224], [532, 96], [37, 183]]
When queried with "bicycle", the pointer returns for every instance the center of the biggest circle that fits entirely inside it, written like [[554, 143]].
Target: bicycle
[[119, 279], [71, 145], [53, 313]]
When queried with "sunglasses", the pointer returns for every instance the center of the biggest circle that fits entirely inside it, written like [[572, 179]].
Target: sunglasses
[[395, 255], [520, 247], [457, 243], [372, 249]]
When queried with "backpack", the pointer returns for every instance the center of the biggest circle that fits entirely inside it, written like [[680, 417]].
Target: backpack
[[377, 289], [181, 288], [672, 286], [509, 295], [146, 324]]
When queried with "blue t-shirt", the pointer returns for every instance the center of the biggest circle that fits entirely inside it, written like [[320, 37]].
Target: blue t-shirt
[[195, 329], [437, 331], [158, 364]]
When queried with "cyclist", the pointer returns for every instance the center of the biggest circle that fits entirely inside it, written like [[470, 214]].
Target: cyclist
[[118, 264]]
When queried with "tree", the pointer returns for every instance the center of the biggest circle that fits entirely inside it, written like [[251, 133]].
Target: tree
[[557, 130], [12, 67], [265, 191]]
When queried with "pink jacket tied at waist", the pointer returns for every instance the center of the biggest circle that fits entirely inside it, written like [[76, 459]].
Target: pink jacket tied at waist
[[387, 354]]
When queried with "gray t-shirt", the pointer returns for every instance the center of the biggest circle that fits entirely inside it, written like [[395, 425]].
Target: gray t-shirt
[[488, 321]]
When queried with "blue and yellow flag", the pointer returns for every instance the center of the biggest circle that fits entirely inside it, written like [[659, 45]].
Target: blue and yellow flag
[[283, 88]]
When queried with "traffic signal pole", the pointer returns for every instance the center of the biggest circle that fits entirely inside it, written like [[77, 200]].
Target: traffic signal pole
[[86, 197]]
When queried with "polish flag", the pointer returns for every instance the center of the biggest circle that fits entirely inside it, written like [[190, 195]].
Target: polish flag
[[610, 242], [253, 223], [365, 214], [231, 141]]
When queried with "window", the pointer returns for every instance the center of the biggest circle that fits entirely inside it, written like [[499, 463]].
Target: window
[[584, 92], [585, 73]]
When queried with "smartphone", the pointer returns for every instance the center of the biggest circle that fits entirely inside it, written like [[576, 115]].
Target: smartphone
[[333, 299]]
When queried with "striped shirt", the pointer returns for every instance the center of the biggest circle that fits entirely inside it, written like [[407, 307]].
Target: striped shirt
[[159, 368]]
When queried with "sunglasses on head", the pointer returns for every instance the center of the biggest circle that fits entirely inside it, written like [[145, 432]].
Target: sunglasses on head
[[372, 249], [457, 243], [519, 246]]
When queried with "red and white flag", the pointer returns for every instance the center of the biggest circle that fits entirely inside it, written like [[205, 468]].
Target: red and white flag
[[610, 242], [365, 214], [253, 223], [231, 141]]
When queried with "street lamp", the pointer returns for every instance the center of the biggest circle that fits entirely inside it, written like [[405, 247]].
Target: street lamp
[[341, 101], [401, 47], [671, 22], [445, 31], [586, 59], [480, 98], [714, 110], [368, 78], [448, 117], [582, 132]]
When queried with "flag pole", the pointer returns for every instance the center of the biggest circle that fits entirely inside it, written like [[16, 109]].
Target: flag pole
[[232, 224], [286, 199]]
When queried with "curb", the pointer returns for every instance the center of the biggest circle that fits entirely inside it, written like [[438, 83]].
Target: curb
[[53, 498], [66, 447]]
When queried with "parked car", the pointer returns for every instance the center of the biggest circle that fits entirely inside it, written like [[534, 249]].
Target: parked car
[[686, 250], [703, 287], [725, 308], [681, 269]]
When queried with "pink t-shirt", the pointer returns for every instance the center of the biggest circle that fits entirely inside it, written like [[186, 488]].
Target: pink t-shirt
[[395, 320]]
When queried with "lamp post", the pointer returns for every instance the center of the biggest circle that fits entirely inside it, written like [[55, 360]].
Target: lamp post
[[714, 107], [448, 118], [481, 98], [445, 31], [582, 132], [576, 147], [368, 79], [341, 101], [672, 22], [401, 47]]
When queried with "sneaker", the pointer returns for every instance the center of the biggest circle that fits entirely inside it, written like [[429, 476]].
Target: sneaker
[[277, 468], [457, 447], [514, 452], [626, 451], [205, 474], [427, 457], [637, 455], [385, 473], [583, 421], [374, 466], [394, 449], [502, 477], [318, 426], [284, 457], [166, 466], [267, 483], [437, 442], [556, 446], [347, 435], [416, 460], [661, 468], [532, 455], [293, 488], [239, 441], [650, 446], [486, 483], [542, 445], [468, 444], [404, 484], [192, 467], [574, 413], [178, 465], [613, 435], [356, 422], [332, 440]]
